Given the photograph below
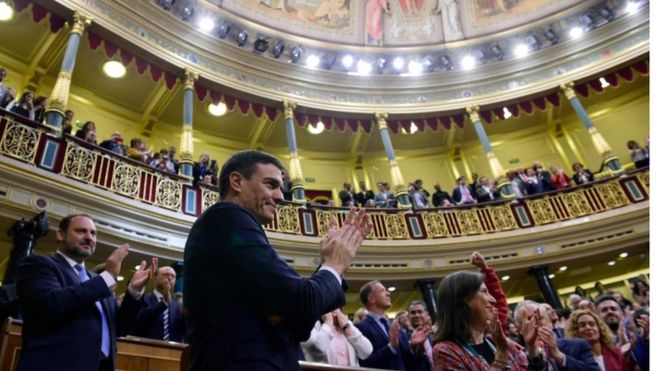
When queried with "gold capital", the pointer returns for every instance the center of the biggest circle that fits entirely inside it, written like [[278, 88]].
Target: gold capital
[[567, 89], [80, 22], [288, 108], [381, 118], [473, 112], [189, 78]]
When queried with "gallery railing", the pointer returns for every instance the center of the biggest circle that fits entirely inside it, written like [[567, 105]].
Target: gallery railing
[[30, 143]]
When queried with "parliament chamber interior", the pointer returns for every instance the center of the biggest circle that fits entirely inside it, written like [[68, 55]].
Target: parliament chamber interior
[[518, 129]]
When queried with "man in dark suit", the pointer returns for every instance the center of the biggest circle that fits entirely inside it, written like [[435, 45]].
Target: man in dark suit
[[161, 317], [364, 195], [246, 308], [346, 196], [393, 349], [70, 314], [544, 178], [463, 194], [562, 354]]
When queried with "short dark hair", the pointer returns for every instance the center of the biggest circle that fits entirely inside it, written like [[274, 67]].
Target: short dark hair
[[417, 302], [454, 315], [66, 221], [366, 290], [135, 142], [603, 298], [244, 162]]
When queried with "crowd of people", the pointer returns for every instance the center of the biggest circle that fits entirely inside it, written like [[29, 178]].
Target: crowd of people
[[246, 308]]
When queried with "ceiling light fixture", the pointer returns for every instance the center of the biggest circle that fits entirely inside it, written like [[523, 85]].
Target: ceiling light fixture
[[187, 12], [217, 109], [415, 68], [114, 69], [260, 44], [603, 83], [296, 53], [507, 113], [468, 62], [398, 63], [391, 289], [506, 278], [206, 24], [224, 29], [632, 7], [521, 50], [278, 48], [316, 129], [347, 61], [611, 263], [241, 37], [120, 278], [312, 61], [563, 268], [6, 11], [623, 255], [363, 67], [551, 276], [576, 32]]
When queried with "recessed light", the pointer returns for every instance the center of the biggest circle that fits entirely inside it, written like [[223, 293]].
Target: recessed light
[[120, 278], [611, 263], [398, 63], [563, 268], [318, 129], [114, 69], [603, 83], [551, 276], [507, 113], [217, 109], [363, 67], [576, 32], [391, 288], [632, 7], [312, 61], [347, 61], [415, 68], [623, 255], [506, 278], [468, 62], [6, 11], [206, 24], [521, 50]]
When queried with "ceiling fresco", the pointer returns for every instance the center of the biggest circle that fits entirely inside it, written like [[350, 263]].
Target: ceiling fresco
[[392, 22]]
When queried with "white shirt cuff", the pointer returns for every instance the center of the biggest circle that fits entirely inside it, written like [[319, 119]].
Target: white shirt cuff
[[333, 271], [109, 280], [137, 295]]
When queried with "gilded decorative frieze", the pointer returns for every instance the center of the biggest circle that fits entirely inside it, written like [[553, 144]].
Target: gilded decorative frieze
[[436, 226], [168, 193], [79, 162], [209, 198], [542, 211]]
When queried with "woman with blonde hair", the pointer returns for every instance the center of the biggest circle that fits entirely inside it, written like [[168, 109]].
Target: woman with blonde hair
[[587, 325]]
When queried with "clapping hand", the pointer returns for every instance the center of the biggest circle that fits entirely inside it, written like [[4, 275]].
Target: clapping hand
[[339, 247], [143, 274]]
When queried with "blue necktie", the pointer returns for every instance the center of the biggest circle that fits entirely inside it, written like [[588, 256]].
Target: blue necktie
[[105, 330], [386, 324]]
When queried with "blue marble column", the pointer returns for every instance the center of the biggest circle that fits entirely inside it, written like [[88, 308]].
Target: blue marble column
[[610, 161], [295, 169], [399, 187], [59, 97], [186, 148], [496, 168]]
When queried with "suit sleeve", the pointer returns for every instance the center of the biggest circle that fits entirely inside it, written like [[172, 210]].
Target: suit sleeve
[[263, 279], [40, 289], [379, 356], [127, 314], [492, 282], [584, 360]]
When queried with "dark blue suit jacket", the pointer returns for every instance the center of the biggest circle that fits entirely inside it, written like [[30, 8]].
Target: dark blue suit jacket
[[61, 323], [246, 308], [149, 323], [578, 355], [456, 195], [382, 356]]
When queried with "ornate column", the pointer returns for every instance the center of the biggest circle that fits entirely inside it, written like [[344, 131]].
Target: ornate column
[[398, 184], [610, 161], [295, 170], [495, 166], [428, 293], [540, 273], [186, 147], [59, 97]]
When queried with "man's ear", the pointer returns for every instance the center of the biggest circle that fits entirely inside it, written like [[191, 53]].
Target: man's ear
[[59, 235], [235, 181]]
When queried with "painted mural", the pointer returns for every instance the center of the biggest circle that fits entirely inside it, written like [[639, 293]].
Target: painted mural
[[392, 22]]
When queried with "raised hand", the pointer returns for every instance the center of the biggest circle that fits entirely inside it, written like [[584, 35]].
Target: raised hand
[[478, 260], [496, 329], [339, 247], [419, 336], [644, 324], [394, 334], [143, 274], [113, 263]]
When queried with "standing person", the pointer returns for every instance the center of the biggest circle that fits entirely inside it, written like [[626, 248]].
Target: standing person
[[465, 313], [70, 316], [336, 341], [418, 315], [463, 194], [439, 196], [393, 349], [384, 198], [638, 154], [161, 317], [347, 196], [24, 106], [586, 325], [246, 308], [582, 175]]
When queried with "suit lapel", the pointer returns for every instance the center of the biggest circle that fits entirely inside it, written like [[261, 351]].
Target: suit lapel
[[65, 267]]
